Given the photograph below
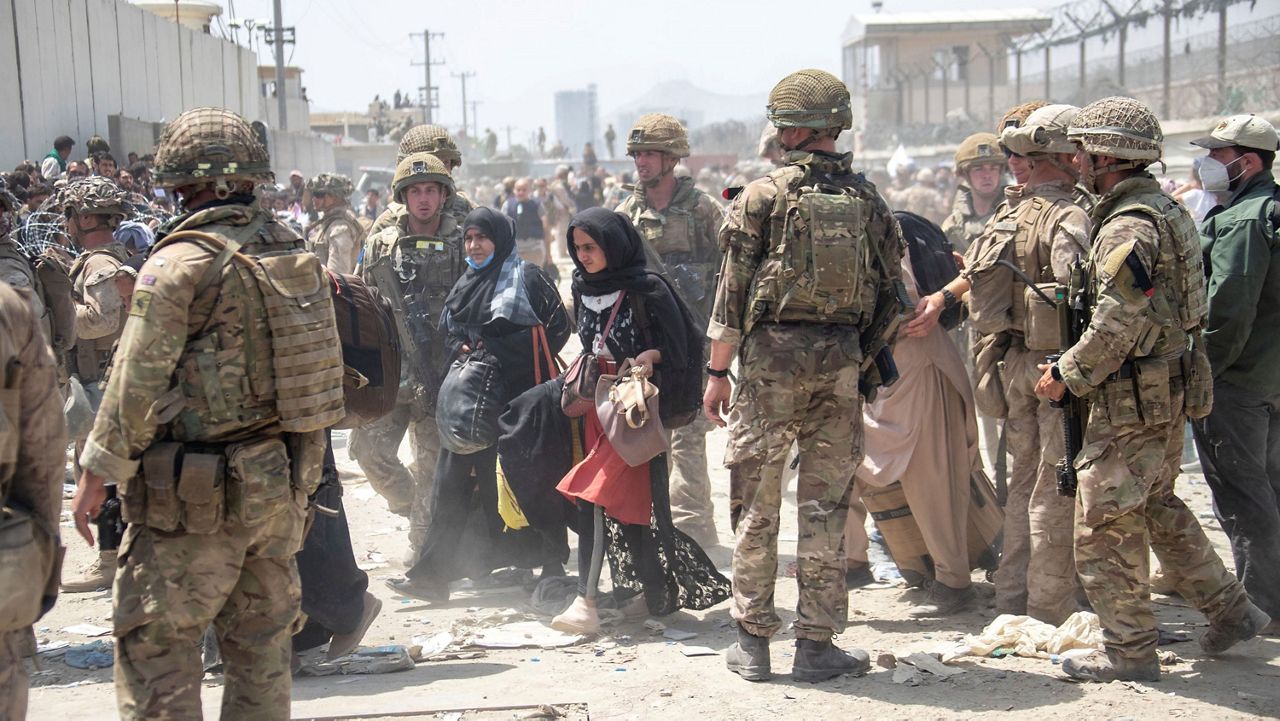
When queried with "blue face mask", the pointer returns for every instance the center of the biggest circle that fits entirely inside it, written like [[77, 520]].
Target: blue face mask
[[477, 266]]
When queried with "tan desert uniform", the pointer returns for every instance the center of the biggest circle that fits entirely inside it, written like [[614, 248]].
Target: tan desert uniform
[[684, 236], [32, 456], [337, 239], [1048, 231], [50, 286], [100, 311]]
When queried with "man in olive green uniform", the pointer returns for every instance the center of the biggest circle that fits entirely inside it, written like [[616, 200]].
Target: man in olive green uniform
[[101, 286], [338, 237], [806, 346], [980, 166], [1142, 365], [212, 426], [414, 263], [33, 445], [435, 140], [679, 224]]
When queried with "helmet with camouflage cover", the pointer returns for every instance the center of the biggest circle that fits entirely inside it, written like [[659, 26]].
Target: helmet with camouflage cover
[[978, 149], [210, 145], [660, 132], [338, 186], [420, 168], [1043, 132], [810, 99], [95, 195], [1118, 127], [96, 144], [430, 139], [1015, 116]]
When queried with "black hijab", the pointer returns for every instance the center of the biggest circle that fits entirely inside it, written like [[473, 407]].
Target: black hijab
[[623, 251], [469, 300]]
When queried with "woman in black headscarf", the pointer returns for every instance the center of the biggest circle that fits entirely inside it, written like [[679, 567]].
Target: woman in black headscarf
[[655, 568], [495, 309]]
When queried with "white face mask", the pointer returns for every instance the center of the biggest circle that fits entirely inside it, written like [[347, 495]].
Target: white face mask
[[1214, 176]]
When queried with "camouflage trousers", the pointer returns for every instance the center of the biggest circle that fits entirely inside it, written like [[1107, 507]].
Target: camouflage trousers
[[1126, 505], [691, 507], [168, 590], [14, 645], [1037, 571], [798, 382], [376, 448]]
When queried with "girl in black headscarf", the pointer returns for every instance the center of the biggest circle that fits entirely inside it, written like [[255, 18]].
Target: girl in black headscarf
[[494, 308], [655, 568]]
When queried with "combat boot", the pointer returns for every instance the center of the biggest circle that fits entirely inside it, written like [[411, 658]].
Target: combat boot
[[1241, 627], [1101, 667], [749, 657], [943, 600], [820, 660], [97, 576]]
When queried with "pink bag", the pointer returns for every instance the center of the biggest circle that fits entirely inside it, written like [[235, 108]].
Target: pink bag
[[627, 406]]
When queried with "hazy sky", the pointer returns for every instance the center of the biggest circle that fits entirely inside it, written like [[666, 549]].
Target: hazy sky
[[522, 52]]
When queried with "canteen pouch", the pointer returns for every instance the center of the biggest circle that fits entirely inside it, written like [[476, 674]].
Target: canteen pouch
[[1151, 381], [991, 282], [1197, 378], [306, 451], [1042, 330], [1122, 400], [258, 480], [202, 491], [163, 509]]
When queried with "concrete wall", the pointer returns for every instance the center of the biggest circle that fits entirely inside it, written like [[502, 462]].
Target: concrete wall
[[62, 79]]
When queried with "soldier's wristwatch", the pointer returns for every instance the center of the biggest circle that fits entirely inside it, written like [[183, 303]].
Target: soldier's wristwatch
[[949, 299], [717, 373], [1056, 372]]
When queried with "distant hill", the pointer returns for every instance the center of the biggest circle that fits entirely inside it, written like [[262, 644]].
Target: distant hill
[[694, 105]]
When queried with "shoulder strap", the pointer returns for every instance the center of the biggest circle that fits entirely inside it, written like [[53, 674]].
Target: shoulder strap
[[226, 250]]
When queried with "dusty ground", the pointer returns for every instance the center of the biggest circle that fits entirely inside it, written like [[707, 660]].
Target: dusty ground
[[634, 674]]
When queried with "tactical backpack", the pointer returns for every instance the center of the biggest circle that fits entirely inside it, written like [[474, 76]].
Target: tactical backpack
[[370, 350]]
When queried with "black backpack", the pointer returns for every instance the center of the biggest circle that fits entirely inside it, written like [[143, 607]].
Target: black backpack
[[370, 349], [931, 260]]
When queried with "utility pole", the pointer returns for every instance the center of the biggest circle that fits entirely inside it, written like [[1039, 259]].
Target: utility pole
[[428, 91], [277, 38], [463, 77], [508, 130], [475, 119]]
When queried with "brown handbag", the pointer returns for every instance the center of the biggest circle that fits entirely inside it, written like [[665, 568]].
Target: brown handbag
[[627, 406], [579, 394]]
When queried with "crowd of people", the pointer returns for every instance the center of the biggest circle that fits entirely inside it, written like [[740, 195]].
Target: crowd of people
[[197, 333]]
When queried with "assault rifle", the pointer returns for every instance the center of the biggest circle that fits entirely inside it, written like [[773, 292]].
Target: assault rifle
[[1073, 318], [413, 323]]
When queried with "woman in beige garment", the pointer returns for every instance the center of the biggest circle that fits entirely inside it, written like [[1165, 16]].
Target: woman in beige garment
[[922, 431]]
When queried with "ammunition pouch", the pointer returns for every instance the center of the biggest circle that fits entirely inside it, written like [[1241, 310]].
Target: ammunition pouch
[[1042, 330], [1140, 392], [1197, 379], [988, 386]]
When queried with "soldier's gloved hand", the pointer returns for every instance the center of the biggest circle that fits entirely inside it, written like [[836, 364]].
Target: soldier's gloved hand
[[928, 310], [91, 493], [715, 400]]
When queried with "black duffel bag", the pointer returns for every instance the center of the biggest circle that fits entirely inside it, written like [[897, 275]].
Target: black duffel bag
[[470, 401]]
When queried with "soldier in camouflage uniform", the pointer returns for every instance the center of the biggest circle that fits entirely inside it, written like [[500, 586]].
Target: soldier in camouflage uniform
[[415, 263], [435, 140], [212, 425], [1142, 365], [101, 287], [1042, 229], [678, 224], [806, 346], [338, 237], [980, 166], [32, 458], [922, 198], [27, 266]]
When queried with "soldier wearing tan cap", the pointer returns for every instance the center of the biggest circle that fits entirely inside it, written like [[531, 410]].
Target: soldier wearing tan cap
[[1239, 441]]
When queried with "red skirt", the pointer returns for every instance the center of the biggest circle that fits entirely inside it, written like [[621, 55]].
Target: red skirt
[[606, 480]]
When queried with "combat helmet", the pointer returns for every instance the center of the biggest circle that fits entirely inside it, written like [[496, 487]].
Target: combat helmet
[[661, 132], [95, 195], [810, 99], [420, 168], [96, 144], [1118, 127], [1014, 117], [978, 149], [338, 186], [429, 139], [1044, 132], [210, 145]]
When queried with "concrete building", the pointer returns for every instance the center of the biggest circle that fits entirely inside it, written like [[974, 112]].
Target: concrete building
[[577, 121], [906, 68]]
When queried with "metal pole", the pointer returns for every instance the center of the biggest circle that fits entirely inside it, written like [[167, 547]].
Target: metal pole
[[475, 119], [426, 70], [463, 77], [1124, 37], [1048, 93], [1083, 82], [1222, 55], [1017, 83], [1166, 60], [281, 107]]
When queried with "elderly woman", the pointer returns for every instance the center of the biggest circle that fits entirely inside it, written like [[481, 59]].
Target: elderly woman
[[495, 306], [626, 311]]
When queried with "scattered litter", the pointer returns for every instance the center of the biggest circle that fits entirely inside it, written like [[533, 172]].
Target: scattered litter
[[675, 634], [928, 663], [887, 660], [1168, 658], [907, 675], [52, 649], [455, 716], [544, 711], [692, 651], [1025, 636], [425, 647], [522, 635], [654, 626], [90, 656], [372, 560], [87, 629], [1168, 637], [380, 659], [666, 692]]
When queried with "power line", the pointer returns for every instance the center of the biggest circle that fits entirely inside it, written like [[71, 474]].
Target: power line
[[430, 99]]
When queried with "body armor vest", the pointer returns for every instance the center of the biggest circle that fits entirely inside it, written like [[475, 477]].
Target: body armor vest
[[90, 357]]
